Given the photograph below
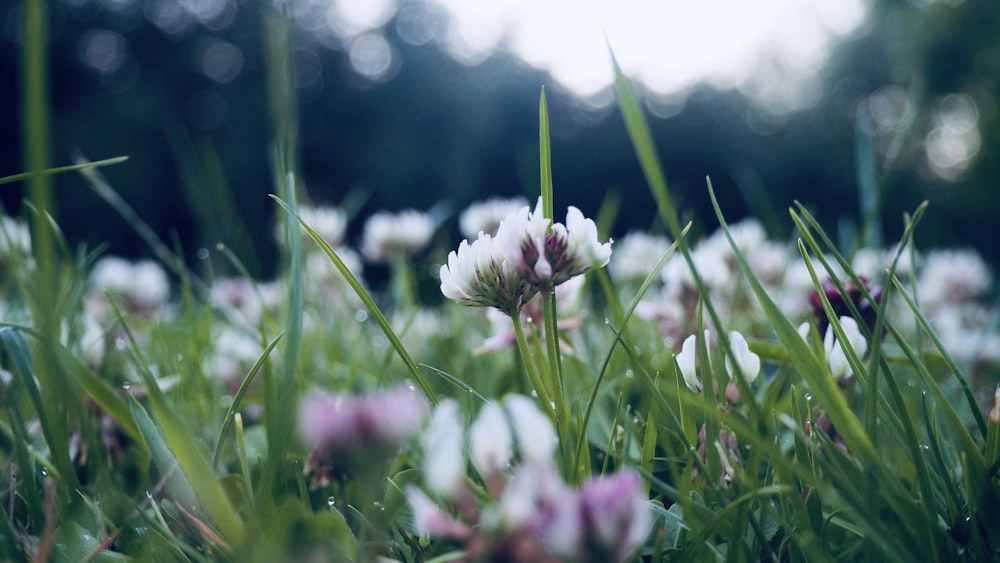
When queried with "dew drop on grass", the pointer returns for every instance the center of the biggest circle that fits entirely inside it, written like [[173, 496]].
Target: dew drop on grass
[[45, 472], [809, 397], [361, 315], [629, 373], [379, 506], [330, 501], [126, 386]]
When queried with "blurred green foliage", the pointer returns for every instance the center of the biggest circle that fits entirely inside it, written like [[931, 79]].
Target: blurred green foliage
[[438, 131]]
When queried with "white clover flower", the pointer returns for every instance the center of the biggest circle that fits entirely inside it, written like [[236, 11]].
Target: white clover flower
[[835, 352], [486, 216], [329, 222], [768, 261], [490, 442], [389, 235], [536, 437], [480, 275], [142, 284], [616, 513], [952, 276], [687, 359], [747, 363], [635, 255], [429, 519], [836, 357], [15, 236], [444, 457], [547, 257], [711, 264]]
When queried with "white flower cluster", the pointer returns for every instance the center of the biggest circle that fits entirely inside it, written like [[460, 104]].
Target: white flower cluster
[[528, 254], [949, 286], [746, 365], [527, 510]]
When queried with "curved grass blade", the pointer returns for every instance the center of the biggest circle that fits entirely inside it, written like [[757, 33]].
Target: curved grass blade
[[183, 446], [68, 168], [227, 422], [359, 289], [643, 288]]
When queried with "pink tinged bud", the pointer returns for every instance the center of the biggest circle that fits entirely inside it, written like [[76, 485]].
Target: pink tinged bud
[[444, 461], [490, 442], [616, 512], [527, 495], [430, 520], [747, 363], [561, 527], [536, 438], [384, 419]]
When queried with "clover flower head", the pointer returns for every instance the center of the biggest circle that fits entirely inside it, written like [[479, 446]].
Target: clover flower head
[[329, 222], [143, 285], [616, 514], [635, 254], [949, 277], [15, 236], [486, 216], [490, 440], [444, 455], [360, 427], [548, 256], [479, 274], [390, 235], [536, 437]]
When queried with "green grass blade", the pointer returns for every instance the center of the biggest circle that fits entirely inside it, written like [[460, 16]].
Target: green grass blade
[[643, 289], [642, 141], [227, 422], [813, 370], [15, 347], [185, 448], [363, 294], [63, 169], [545, 157]]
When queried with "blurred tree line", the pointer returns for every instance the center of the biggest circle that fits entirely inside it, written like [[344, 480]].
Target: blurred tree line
[[908, 111]]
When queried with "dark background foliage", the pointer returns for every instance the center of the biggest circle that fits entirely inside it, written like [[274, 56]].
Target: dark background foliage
[[438, 132]]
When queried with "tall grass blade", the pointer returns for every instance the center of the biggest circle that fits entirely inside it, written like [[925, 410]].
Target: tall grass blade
[[227, 421], [363, 294], [63, 169], [184, 447]]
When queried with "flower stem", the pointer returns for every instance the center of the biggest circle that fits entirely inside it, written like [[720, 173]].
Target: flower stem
[[565, 422], [536, 379]]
